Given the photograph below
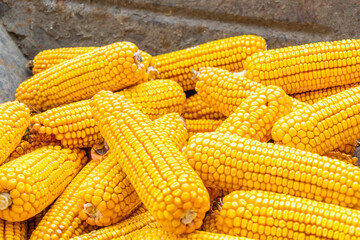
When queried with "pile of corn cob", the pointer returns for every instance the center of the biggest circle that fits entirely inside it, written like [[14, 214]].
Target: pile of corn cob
[[102, 143]]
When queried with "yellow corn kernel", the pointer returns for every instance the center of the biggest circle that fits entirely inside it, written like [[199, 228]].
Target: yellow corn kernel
[[297, 104], [14, 119], [156, 98], [228, 53], [51, 57], [257, 114], [267, 215], [155, 164], [312, 97], [33, 181], [306, 67], [231, 163], [112, 67], [323, 126], [62, 220], [201, 125], [13, 230], [119, 230], [223, 90], [196, 108]]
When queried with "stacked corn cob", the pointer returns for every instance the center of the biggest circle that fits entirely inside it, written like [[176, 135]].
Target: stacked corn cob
[[244, 161]]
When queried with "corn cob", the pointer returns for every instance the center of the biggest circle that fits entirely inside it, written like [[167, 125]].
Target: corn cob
[[34, 221], [228, 53], [49, 58], [156, 98], [266, 215], [106, 195], [161, 234], [14, 120], [231, 163], [223, 90], [156, 164], [306, 67], [120, 229], [312, 97], [33, 181], [342, 156], [13, 230], [172, 126], [257, 114], [196, 108], [62, 220], [323, 126], [201, 125], [112, 67]]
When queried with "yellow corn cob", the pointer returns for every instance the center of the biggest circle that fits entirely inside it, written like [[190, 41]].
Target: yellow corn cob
[[120, 229], [34, 221], [62, 220], [196, 108], [49, 58], [232, 163], [342, 156], [73, 125], [257, 114], [155, 164], [323, 126], [13, 230], [228, 53], [161, 234], [106, 196], [112, 67], [312, 97], [173, 126], [267, 215], [33, 181], [223, 90], [14, 120], [201, 125], [306, 67]]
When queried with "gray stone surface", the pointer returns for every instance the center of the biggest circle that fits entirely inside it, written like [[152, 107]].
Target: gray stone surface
[[160, 26], [12, 66]]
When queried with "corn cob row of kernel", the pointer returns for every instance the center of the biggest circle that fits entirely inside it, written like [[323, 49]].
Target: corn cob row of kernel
[[201, 125], [13, 230], [196, 108]]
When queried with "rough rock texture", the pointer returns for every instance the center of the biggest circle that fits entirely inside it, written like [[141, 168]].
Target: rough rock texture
[[160, 26], [12, 66]]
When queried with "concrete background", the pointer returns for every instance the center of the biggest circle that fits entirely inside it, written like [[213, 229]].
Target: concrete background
[[160, 26]]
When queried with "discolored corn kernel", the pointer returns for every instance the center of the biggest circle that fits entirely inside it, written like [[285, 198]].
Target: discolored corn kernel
[[112, 67], [256, 115], [306, 67], [125, 128], [266, 215], [231, 163], [196, 108], [323, 126], [228, 53]]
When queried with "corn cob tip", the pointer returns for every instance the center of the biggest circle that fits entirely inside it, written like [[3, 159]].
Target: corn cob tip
[[138, 59], [152, 69], [5, 201], [30, 64], [188, 217], [195, 74]]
